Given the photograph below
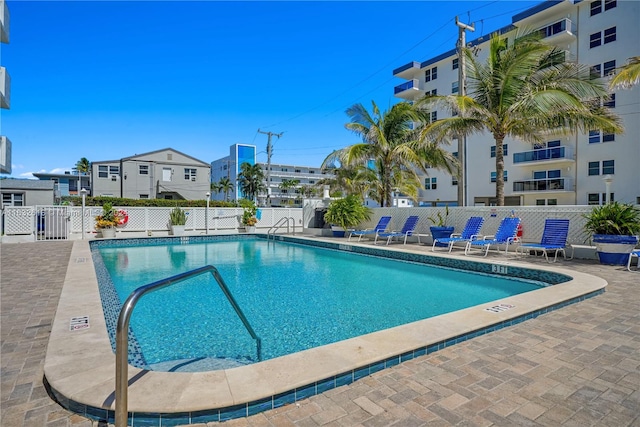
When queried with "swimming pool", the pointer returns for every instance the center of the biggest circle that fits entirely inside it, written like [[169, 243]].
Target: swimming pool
[[80, 365], [295, 296]]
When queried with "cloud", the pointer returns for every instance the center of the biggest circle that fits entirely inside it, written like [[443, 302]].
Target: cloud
[[28, 175]]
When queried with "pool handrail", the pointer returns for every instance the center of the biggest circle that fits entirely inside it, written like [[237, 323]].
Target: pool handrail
[[275, 227], [122, 328]]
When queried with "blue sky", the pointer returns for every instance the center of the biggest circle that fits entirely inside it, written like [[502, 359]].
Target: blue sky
[[106, 80]]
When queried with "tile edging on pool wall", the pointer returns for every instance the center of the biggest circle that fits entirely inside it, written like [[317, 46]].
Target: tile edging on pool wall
[[316, 387]]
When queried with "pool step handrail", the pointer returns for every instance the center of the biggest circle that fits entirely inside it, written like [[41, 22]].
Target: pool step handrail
[[122, 336], [281, 222]]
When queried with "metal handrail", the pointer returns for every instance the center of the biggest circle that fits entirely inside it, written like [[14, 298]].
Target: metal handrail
[[122, 336], [275, 227]]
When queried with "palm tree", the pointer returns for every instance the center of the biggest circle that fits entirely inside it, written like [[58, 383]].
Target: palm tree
[[225, 185], [251, 180], [287, 184], [628, 75], [522, 92], [356, 179], [393, 141], [83, 166]]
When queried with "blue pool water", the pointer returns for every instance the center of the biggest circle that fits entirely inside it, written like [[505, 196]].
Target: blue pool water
[[295, 296]]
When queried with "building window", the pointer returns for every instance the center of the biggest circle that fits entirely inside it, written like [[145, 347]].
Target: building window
[[431, 74], [596, 136], [609, 35], [143, 169], [143, 196], [610, 4], [114, 170], [454, 87], [594, 168], [311, 181], [434, 116], [505, 150], [434, 92], [103, 171], [430, 183], [593, 199], [312, 171], [608, 137], [284, 170], [190, 174], [552, 202], [12, 199], [298, 171], [454, 180], [608, 167], [495, 174], [454, 64], [540, 202], [595, 39], [596, 7], [610, 102], [596, 71], [609, 67]]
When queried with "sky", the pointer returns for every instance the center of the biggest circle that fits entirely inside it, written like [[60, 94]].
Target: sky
[[107, 80]]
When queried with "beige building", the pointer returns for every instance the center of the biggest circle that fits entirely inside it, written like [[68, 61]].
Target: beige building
[[162, 174]]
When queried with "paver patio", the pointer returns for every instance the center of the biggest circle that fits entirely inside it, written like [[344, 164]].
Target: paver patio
[[579, 365]]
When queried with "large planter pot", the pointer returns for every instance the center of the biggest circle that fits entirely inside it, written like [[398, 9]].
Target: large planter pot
[[441, 233], [614, 250], [177, 230], [250, 228], [108, 233]]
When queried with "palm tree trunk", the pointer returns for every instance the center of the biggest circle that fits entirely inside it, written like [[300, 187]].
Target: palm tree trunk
[[499, 169]]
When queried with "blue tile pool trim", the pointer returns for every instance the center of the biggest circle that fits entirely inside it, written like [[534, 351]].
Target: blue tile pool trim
[[242, 410]]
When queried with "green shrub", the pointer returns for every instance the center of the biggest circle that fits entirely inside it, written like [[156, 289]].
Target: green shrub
[[613, 218]]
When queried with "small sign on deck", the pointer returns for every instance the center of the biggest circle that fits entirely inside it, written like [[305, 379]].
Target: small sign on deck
[[499, 308], [79, 323]]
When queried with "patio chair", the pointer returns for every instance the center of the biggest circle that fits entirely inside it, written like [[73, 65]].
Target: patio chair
[[382, 225], [634, 254], [505, 235], [554, 238], [470, 232], [407, 230]]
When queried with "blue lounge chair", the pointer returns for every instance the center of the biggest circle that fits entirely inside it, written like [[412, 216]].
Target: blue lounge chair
[[470, 232], [407, 230], [554, 238], [382, 225], [634, 254], [505, 235]]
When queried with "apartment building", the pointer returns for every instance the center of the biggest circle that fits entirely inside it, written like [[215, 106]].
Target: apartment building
[[5, 91], [162, 174], [566, 170], [276, 194]]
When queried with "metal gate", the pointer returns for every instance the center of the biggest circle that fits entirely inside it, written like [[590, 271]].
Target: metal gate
[[52, 222]]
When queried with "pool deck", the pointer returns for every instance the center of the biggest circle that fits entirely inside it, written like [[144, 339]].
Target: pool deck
[[576, 365]]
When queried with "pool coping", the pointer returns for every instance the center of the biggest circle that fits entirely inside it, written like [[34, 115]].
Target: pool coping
[[80, 364]]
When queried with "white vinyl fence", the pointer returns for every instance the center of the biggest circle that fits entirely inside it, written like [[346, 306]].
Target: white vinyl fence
[[60, 222]]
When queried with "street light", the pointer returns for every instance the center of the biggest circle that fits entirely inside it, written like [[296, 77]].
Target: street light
[[607, 182], [206, 214], [84, 195]]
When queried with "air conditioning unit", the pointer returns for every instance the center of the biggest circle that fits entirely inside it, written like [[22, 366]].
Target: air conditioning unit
[[193, 178], [114, 177]]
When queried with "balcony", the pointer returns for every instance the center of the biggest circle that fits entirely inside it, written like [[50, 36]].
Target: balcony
[[408, 90], [550, 185], [4, 22], [560, 154], [5, 89], [561, 32], [407, 71]]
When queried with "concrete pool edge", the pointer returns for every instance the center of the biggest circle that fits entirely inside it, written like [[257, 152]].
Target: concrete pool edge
[[80, 366]]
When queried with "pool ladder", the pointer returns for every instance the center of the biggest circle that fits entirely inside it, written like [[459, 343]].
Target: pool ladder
[[122, 336], [280, 224]]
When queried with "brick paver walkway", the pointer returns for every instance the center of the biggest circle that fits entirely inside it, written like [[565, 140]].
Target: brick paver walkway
[[578, 366]]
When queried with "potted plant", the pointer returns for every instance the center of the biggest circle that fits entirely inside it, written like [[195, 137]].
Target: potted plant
[[177, 221], [107, 221], [439, 229], [346, 213], [249, 212], [614, 228]]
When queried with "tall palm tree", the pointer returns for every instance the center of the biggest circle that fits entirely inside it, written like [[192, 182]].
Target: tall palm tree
[[225, 185], [392, 139], [522, 92], [83, 166], [251, 179], [357, 179], [628, 75]]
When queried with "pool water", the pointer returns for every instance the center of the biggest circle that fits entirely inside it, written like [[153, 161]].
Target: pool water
[[295, 297]]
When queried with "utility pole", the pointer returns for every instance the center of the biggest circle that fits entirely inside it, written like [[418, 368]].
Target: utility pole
[[462, 91], [269, 152]]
